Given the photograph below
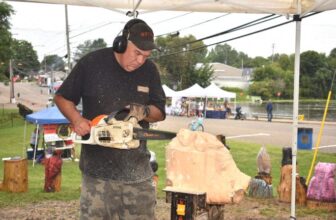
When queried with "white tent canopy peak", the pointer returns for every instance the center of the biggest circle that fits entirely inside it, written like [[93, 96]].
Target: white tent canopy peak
[[241, 6]]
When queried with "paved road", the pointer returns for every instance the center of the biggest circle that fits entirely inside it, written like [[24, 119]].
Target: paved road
[[277, 133], [31, 95]]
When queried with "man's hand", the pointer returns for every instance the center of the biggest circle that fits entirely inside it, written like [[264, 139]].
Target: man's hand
[[138, 111], [81, 126]]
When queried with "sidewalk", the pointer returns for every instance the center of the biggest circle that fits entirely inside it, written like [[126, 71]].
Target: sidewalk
[[285, 120]]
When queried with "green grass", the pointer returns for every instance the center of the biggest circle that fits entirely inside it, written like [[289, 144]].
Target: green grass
[[12, 144], [244, 154]]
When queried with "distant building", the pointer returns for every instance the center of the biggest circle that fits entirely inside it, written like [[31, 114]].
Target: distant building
[[50, 78], [46, 79], [229, 76]]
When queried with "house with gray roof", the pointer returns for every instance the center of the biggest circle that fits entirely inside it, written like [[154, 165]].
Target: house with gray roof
[[229, 76]]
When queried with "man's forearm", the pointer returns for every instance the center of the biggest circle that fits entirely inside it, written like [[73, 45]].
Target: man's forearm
[[154, 114], [67, 108]]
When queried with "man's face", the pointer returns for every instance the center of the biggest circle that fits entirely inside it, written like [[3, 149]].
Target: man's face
[[133, 57]]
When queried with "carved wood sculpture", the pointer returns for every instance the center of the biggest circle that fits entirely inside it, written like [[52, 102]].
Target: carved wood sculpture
[[261, 185], [322, 189], [198, 161], [53, 174], [285, 186]]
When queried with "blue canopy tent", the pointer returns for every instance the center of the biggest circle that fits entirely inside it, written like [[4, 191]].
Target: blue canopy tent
[[50, 115]]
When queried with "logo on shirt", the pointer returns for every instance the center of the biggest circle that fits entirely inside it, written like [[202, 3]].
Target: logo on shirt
[[144, 89]]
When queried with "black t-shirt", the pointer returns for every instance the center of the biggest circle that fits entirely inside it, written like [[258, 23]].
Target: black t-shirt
[[104, 86]]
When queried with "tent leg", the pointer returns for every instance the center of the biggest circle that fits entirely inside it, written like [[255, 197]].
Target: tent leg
[[24, 140], [295, 111], [36, 139]]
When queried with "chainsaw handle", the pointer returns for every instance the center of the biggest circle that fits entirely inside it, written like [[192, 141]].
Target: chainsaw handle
[[88, 141]]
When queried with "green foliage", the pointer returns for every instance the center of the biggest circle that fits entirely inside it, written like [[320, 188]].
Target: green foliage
[[315, 75], [89, 46], [178, 60], [5, 37], [3, 78], [271, 79], [259, 62], [201, 75], [25, 60], [52, 63], [227, 55]]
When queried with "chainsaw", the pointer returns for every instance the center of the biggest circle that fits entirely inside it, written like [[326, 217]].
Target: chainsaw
[[107, 131]]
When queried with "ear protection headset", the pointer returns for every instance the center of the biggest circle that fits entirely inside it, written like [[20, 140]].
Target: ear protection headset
[[120, 42]]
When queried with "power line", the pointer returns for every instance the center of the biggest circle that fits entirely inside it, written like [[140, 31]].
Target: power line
[[172, 18], [93, 29], [194, 25], [240, 27], [234, 38]]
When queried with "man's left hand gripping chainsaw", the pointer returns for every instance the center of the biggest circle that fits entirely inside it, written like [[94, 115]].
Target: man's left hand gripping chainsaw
[[107, 131]]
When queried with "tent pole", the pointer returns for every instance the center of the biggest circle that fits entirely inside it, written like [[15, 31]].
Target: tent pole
[[24, 139], [205, 106], [297, 20], [36, 138]]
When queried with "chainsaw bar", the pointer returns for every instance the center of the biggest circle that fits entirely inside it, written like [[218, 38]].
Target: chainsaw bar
[[149, 134]]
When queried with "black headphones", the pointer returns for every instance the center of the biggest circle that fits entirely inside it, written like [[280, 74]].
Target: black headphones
[[120, 42]]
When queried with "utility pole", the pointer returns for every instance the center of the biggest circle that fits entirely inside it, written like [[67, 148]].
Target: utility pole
[[45, 64], [67, 40], [11, 93]]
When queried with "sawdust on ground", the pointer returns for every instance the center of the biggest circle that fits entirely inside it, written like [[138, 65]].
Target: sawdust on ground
[[249, 208]]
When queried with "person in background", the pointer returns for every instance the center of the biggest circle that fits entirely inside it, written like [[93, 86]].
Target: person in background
[[116, 183], [34, 139], [269, 110], [227, 108]]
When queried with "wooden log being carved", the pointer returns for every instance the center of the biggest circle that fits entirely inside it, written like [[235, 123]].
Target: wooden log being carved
[[15, 175]]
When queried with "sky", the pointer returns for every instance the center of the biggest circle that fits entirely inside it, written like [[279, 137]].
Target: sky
[[43, 25]]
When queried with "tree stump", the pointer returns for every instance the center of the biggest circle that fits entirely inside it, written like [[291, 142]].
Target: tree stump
[[15, 175]]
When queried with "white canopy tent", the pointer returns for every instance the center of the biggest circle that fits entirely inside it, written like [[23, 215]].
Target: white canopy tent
[[214, 91], [283, 7], [168, 91], [194, 91]]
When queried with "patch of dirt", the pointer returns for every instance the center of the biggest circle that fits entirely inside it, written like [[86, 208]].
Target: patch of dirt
[[249, 208]]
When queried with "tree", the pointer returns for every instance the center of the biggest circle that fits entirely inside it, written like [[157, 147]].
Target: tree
[[89, 46], [284, 62], [52, 63], [25, 60], [220, 54], [178, 59], [311, 63], [331, 59], [201, 75], [271, 79], [229, 56], [259, 62], [5, 38]]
